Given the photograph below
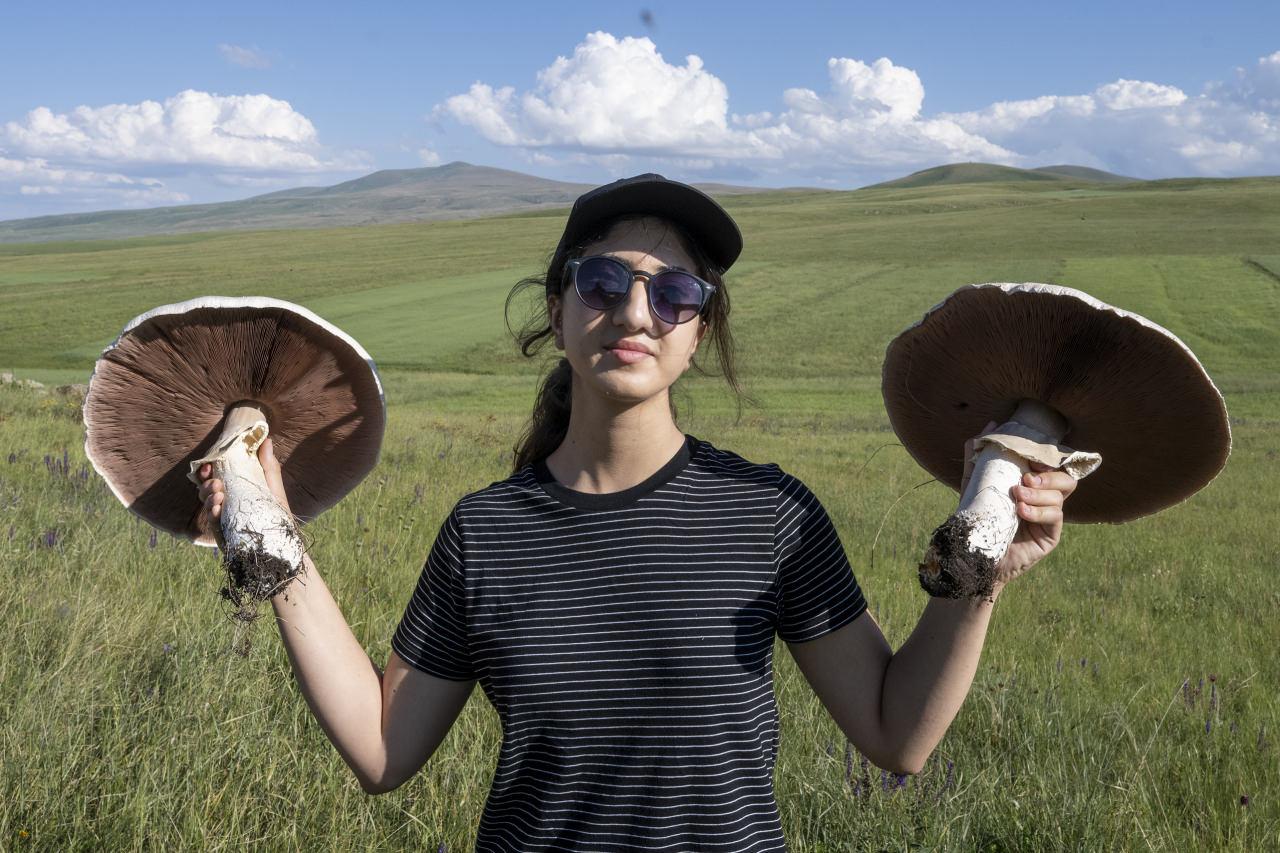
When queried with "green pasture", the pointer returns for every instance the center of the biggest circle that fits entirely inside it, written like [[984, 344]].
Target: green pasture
[[1129, 693]]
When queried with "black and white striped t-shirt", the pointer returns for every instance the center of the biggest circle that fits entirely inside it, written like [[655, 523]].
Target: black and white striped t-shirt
[[626, 642]]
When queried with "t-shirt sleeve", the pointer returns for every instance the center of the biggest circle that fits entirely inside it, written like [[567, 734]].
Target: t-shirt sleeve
[[819, 592], [432, 635]]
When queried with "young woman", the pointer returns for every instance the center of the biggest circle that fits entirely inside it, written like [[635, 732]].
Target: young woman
[[617, 597]]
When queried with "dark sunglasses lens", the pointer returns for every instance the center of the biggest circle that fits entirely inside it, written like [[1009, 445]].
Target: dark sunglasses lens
[[676, 296], [602, 283]]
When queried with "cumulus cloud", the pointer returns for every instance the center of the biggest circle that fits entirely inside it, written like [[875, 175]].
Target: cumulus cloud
[[33, 176], [245, 57], [1147, 129], [621, 97], [243, 132], [101, 156], [617, 99], [428, 157]]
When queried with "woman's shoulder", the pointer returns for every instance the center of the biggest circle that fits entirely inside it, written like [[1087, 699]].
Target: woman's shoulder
[[710, 459], [729, 463]]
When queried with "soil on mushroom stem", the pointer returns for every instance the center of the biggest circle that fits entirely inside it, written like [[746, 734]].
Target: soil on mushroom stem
[[253, 576], [952, 569]]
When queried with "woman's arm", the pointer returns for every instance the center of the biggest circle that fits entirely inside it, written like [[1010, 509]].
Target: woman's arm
[[895, 707], [385, 726]]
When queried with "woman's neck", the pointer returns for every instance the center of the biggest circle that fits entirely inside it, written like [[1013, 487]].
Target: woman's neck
[[610, 449]]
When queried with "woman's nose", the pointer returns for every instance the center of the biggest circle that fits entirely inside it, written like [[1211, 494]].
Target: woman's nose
[[635, 308]]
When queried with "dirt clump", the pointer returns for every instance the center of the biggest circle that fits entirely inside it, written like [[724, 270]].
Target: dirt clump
[[951, 569]]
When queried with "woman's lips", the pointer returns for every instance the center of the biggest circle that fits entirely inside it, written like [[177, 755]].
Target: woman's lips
[[629, 356]]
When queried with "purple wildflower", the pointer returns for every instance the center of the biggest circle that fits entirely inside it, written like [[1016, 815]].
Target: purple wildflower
[[49, 539], [848, 761], [1244, 800], [168, 648], [151, 541], [442, 848], [884, 780], [1208, 724]]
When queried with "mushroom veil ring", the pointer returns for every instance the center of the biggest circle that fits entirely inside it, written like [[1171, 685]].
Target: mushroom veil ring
[[205, 381], [1112, 398]]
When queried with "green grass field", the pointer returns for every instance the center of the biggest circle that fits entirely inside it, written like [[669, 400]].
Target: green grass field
[[1129, 693]]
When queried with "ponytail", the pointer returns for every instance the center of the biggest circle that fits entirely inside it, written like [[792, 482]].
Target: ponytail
[[549, 423]]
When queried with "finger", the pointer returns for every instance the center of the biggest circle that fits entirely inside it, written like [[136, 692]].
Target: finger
[[271, 469], [205, 470], [1051, 479], [210, 487], [1048, 516], [1039, 497]]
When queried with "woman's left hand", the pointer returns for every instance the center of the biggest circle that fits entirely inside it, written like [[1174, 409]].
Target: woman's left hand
[[1039, 499]]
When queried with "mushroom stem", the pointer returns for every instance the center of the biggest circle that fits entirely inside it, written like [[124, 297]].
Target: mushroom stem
[[963, 552], [262, 546]]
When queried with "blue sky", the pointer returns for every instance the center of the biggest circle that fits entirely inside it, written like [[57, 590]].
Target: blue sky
[[160, 105]]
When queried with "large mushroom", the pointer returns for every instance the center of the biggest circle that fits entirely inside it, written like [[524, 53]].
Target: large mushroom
[[204, 381], [1054, 367]]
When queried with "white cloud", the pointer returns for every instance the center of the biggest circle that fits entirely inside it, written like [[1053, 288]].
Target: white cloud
[[35, 177], [245, 57], [1147, 129], [428, 157], [614, 101], [1138, 94], [242, 132], [620, 97]]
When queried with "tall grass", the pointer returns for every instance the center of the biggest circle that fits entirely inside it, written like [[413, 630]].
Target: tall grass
[[1128, 693]]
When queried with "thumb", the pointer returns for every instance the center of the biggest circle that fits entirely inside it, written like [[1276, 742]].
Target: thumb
[[271, 469]]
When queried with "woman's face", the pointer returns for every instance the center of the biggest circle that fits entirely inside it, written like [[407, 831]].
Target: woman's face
[[587, 335]]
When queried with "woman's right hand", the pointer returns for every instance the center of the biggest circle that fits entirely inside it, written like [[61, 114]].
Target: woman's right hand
[[213, 493]]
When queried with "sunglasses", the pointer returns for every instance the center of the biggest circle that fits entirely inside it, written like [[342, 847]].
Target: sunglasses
[[602, 282]]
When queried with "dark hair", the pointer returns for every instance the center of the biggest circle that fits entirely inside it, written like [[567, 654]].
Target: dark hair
[[549, 421]]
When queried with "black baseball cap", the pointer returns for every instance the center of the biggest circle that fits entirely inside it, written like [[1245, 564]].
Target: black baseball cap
[[708, 223]]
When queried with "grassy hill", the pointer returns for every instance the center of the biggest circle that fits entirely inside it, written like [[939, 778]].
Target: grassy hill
[[453, 191], [1084, 173], [1126, 695], [974, 173]]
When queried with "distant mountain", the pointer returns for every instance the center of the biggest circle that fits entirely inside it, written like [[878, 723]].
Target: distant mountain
[[454, 191], [975, 173]]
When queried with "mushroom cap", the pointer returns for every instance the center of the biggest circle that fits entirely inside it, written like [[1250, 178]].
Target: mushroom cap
[[158, 396], [1128, 388]]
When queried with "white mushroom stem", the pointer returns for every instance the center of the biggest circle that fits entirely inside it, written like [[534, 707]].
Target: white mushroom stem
[[987, 501], [964, 550], [254, 525]]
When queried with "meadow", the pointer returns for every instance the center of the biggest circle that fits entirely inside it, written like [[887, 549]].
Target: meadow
[[1129, 692]]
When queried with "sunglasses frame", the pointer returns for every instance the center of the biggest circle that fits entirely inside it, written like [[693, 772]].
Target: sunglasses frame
[[705, 287]]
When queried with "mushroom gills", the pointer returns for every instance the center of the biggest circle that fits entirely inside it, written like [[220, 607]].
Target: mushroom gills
[[262, 547], [965, 550]]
